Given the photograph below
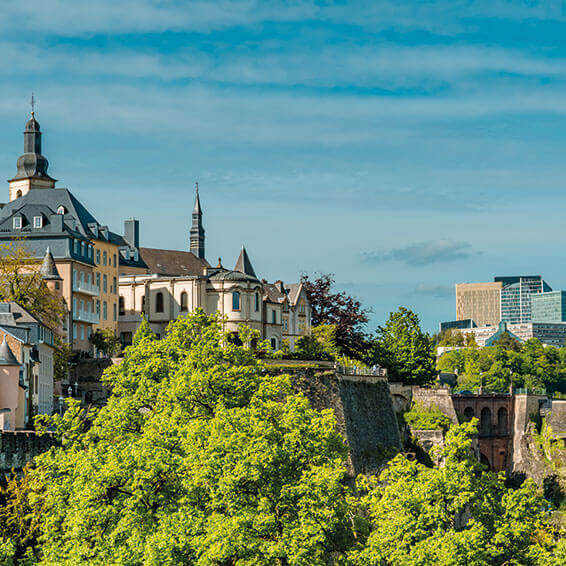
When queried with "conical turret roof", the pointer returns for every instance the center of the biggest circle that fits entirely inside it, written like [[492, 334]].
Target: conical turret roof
[[49, 268], [244, 265], [7, 358]]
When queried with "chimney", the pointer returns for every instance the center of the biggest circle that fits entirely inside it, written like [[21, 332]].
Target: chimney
[[132, 232]]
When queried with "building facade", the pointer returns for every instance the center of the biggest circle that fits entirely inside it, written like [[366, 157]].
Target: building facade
[[549, 307], [516, 296], [480, 302]]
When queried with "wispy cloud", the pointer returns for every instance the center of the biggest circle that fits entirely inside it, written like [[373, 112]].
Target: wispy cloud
[[424, 253], [438, 291]]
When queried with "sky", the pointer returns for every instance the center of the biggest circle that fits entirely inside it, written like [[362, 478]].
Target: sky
[[402, 146]]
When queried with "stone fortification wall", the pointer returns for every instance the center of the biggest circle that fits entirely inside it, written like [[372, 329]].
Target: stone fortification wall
[[439, 398], [557, 417], [20, 447], [364, 415], [525, 406]]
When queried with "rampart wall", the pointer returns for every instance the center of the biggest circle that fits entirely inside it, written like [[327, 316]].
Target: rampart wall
[[17, 448]]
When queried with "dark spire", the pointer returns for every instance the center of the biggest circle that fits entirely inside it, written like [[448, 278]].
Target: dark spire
[[48, 268], [32, 163], [196, 241], [7, 358], [244, 265]]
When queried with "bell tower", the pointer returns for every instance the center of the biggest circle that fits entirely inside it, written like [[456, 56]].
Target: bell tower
[[32, 165], [196, 238]]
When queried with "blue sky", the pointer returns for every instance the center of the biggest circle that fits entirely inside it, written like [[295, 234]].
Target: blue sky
[[402, 146]]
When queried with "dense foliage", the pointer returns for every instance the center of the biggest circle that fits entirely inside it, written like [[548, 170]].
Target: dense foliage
[[404, 349], [200, 457], [530, 365], [426, 418], [338, 309], [320, 344]]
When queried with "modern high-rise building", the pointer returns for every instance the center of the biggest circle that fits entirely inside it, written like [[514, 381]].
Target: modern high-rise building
[[516, 296], [549, 307], [480, 302]]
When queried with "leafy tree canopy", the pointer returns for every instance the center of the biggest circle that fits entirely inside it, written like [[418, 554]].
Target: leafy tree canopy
[[404, 349], [338, 309]]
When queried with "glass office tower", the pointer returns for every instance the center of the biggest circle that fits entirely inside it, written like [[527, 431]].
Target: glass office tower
[[549, 307], [516, 295]]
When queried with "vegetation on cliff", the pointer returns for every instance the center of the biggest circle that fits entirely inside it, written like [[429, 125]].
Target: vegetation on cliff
[[201, 457]]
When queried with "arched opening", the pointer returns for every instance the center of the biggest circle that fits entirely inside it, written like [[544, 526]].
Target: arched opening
[[485, 421], [257, 302], [18, 194], [236, 301], [274, 344], [121, 306], [485, 461], [159, 302], [143, 303], [469, 414], [184, 301], [502, 421]]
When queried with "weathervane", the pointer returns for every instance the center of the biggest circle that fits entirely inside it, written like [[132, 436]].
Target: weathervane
[[32, 104]]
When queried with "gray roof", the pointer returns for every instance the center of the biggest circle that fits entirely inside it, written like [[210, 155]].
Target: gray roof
[[7, 358], [228, 275], [48, 268], [244, 264], [293, 290]]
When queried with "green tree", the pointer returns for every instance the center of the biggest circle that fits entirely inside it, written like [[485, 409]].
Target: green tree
[[319, 345], [105, 341], [199, 457], [451, 515], [405, 350]]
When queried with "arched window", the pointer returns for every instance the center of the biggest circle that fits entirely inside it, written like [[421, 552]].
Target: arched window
[[502, 421], [159, 302], [485, 421], [18, 194], [143, 303], [61, 210], [274, 343], [184, 301], [469, 413], [236, 301], [121, 306]]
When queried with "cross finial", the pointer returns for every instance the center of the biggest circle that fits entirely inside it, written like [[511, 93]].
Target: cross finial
[[32, 104]]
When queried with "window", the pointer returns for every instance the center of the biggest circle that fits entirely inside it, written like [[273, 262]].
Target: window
[[74, 278], [17, 223], [159, 302], [143, 303], [61, 210], [77, 247], [256, 302], [286, 325], [302, 309], [98, 308], [98, 257], [114, 311], [121, 306], [184, 301], [82, 305], [89, 332], [83, 249], [273, 317], [236, 301], [274, 343], [104, 311], [104, 283], [98, 281], [114, 260], [38, 221], [82, 332], [74, 331], [74, 304], [114, 285], [81, 277], [18, 194], [104, 258]]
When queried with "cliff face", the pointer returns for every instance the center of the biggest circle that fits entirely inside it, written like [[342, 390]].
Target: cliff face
[[364, 415]]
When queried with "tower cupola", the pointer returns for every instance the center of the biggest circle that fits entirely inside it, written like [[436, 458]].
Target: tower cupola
[[196, 237], [32, 165]]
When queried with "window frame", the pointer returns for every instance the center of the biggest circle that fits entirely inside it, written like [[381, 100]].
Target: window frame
[[236, 296]]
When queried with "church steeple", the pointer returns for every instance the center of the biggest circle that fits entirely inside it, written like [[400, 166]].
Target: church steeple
[[32, 165], [197, 231]]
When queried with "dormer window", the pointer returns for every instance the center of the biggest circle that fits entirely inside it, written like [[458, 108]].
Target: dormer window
[[38, 221], [61, 210], [17, 223]]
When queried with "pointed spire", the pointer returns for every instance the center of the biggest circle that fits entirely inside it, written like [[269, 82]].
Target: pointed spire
[[244, 265], [48, 268], [196, 237], [7, 357]]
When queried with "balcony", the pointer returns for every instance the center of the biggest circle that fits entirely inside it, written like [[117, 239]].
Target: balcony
[[87, 288], [85, 316]]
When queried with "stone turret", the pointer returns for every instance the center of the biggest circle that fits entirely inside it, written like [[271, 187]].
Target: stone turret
[[196, 240]]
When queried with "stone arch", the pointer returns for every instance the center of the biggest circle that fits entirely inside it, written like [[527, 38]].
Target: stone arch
[[469, 413], [502, 421], [485, 421], [184, 301]]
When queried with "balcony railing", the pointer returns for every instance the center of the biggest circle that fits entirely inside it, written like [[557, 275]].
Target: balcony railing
[[84, 287], [85, 316]]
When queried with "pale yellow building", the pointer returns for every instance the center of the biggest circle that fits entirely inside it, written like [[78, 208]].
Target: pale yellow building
[[480, 302]]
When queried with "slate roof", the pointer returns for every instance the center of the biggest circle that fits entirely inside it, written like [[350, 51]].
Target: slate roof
[[48, 268], [273, 293], [172, 262], [7, 357], [244, 264], [294, 290]]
